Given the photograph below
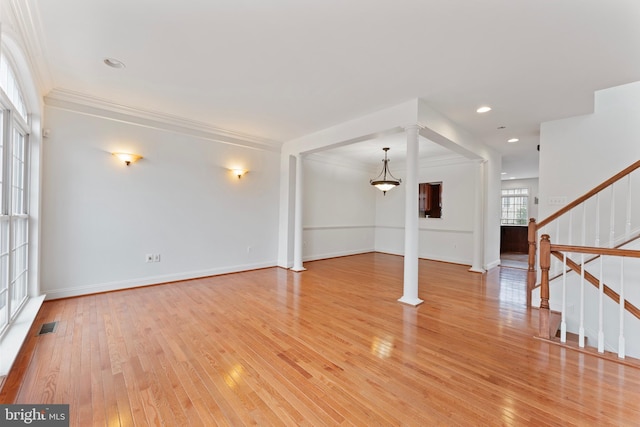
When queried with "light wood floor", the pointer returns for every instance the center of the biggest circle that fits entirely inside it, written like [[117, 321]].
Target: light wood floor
[[329, 346]]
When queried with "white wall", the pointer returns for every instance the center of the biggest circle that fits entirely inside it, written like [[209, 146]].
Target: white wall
[[339, 209], [440, 129], [532, 185], [100, 217], [434, 127], [449, 238], [578, 153]]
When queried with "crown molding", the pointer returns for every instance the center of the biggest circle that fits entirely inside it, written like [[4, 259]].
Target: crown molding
[[97, 107], [445, 160], [335, 160], [28, 27]]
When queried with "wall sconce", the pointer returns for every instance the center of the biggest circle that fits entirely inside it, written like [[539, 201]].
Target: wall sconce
[[239, 172], [128, 158]]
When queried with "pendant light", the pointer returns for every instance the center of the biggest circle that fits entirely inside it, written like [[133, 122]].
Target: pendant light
[[381, 182]]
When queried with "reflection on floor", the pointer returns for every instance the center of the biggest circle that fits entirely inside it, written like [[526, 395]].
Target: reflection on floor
[[514, 260]]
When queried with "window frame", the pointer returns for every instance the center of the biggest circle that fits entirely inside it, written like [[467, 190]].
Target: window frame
[[14, 252], [512, 194]]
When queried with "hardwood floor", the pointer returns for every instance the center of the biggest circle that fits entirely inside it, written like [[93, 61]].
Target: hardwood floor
[[329, 346]]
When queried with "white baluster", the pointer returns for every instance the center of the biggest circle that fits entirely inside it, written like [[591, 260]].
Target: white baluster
[[627, 228], [582, 268], [584, 223], [621, 343], [601, 309], [597, 241], [581, 329], [570, 235], [612, 220], [554, 260], [563, 323]]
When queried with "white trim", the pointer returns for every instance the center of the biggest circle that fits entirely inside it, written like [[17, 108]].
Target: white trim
[[336, 227], [12, 341], [92, 106], [446, 160], [440, 230], [492, 264], [29, 27], [450, 260], [327, 158], [74, 291], [339, 254]]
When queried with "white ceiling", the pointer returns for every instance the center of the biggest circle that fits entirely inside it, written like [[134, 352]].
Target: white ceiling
[[280, 69], [369, 154]]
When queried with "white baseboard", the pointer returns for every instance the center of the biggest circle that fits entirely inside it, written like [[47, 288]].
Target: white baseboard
[[148, 281], [492, 264], [336, 254]]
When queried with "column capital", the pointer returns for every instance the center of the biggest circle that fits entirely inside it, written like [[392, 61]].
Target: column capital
[[412, 126]]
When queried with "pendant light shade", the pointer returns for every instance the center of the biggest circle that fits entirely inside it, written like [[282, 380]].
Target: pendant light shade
[[382, 182]]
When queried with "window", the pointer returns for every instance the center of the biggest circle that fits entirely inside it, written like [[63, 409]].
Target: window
[[14, 218], [515, 203], [10, 87]]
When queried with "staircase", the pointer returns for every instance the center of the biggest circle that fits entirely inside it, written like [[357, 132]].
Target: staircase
[[589, 276]]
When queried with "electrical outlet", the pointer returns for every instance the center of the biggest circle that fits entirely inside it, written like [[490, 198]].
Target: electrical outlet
[[148, 258], [156, 257]]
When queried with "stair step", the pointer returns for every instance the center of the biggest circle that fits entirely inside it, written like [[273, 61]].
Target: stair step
[[572, 344], [555, 317], [572, 338]]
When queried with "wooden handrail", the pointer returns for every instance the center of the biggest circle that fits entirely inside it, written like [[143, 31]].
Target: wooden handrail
[[587, 261], [547, 249], [535, 226], [635, 311], [595, 250], [590, 194]]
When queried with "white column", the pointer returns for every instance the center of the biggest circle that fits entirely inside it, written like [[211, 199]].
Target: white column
[[478, 220], [297, 240], [411, 230]]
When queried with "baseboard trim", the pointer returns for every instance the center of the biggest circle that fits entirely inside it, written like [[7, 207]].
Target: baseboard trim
[[337, 254], [493, 264], [149, 281]]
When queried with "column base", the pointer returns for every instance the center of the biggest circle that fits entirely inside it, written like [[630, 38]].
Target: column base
[[477, 270], [410, 301], [298, 269]]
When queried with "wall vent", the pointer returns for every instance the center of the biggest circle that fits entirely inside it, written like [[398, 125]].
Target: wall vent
[[48, 328]]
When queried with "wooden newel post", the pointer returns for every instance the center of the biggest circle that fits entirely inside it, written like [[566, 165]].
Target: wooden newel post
[[532, 238], [545, 264]]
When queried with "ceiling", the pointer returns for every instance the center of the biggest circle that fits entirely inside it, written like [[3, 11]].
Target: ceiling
[[285, 68]]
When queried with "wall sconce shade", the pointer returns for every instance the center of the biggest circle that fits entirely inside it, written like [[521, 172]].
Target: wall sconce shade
[[381, 182], [128, 158]]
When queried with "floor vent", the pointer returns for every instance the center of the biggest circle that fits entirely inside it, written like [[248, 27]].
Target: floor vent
[[48, 328]]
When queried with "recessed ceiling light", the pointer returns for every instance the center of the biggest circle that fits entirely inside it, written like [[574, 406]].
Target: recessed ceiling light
[[512, 177], [503, 173], [513, 140], [483, 109], [114, 63]]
